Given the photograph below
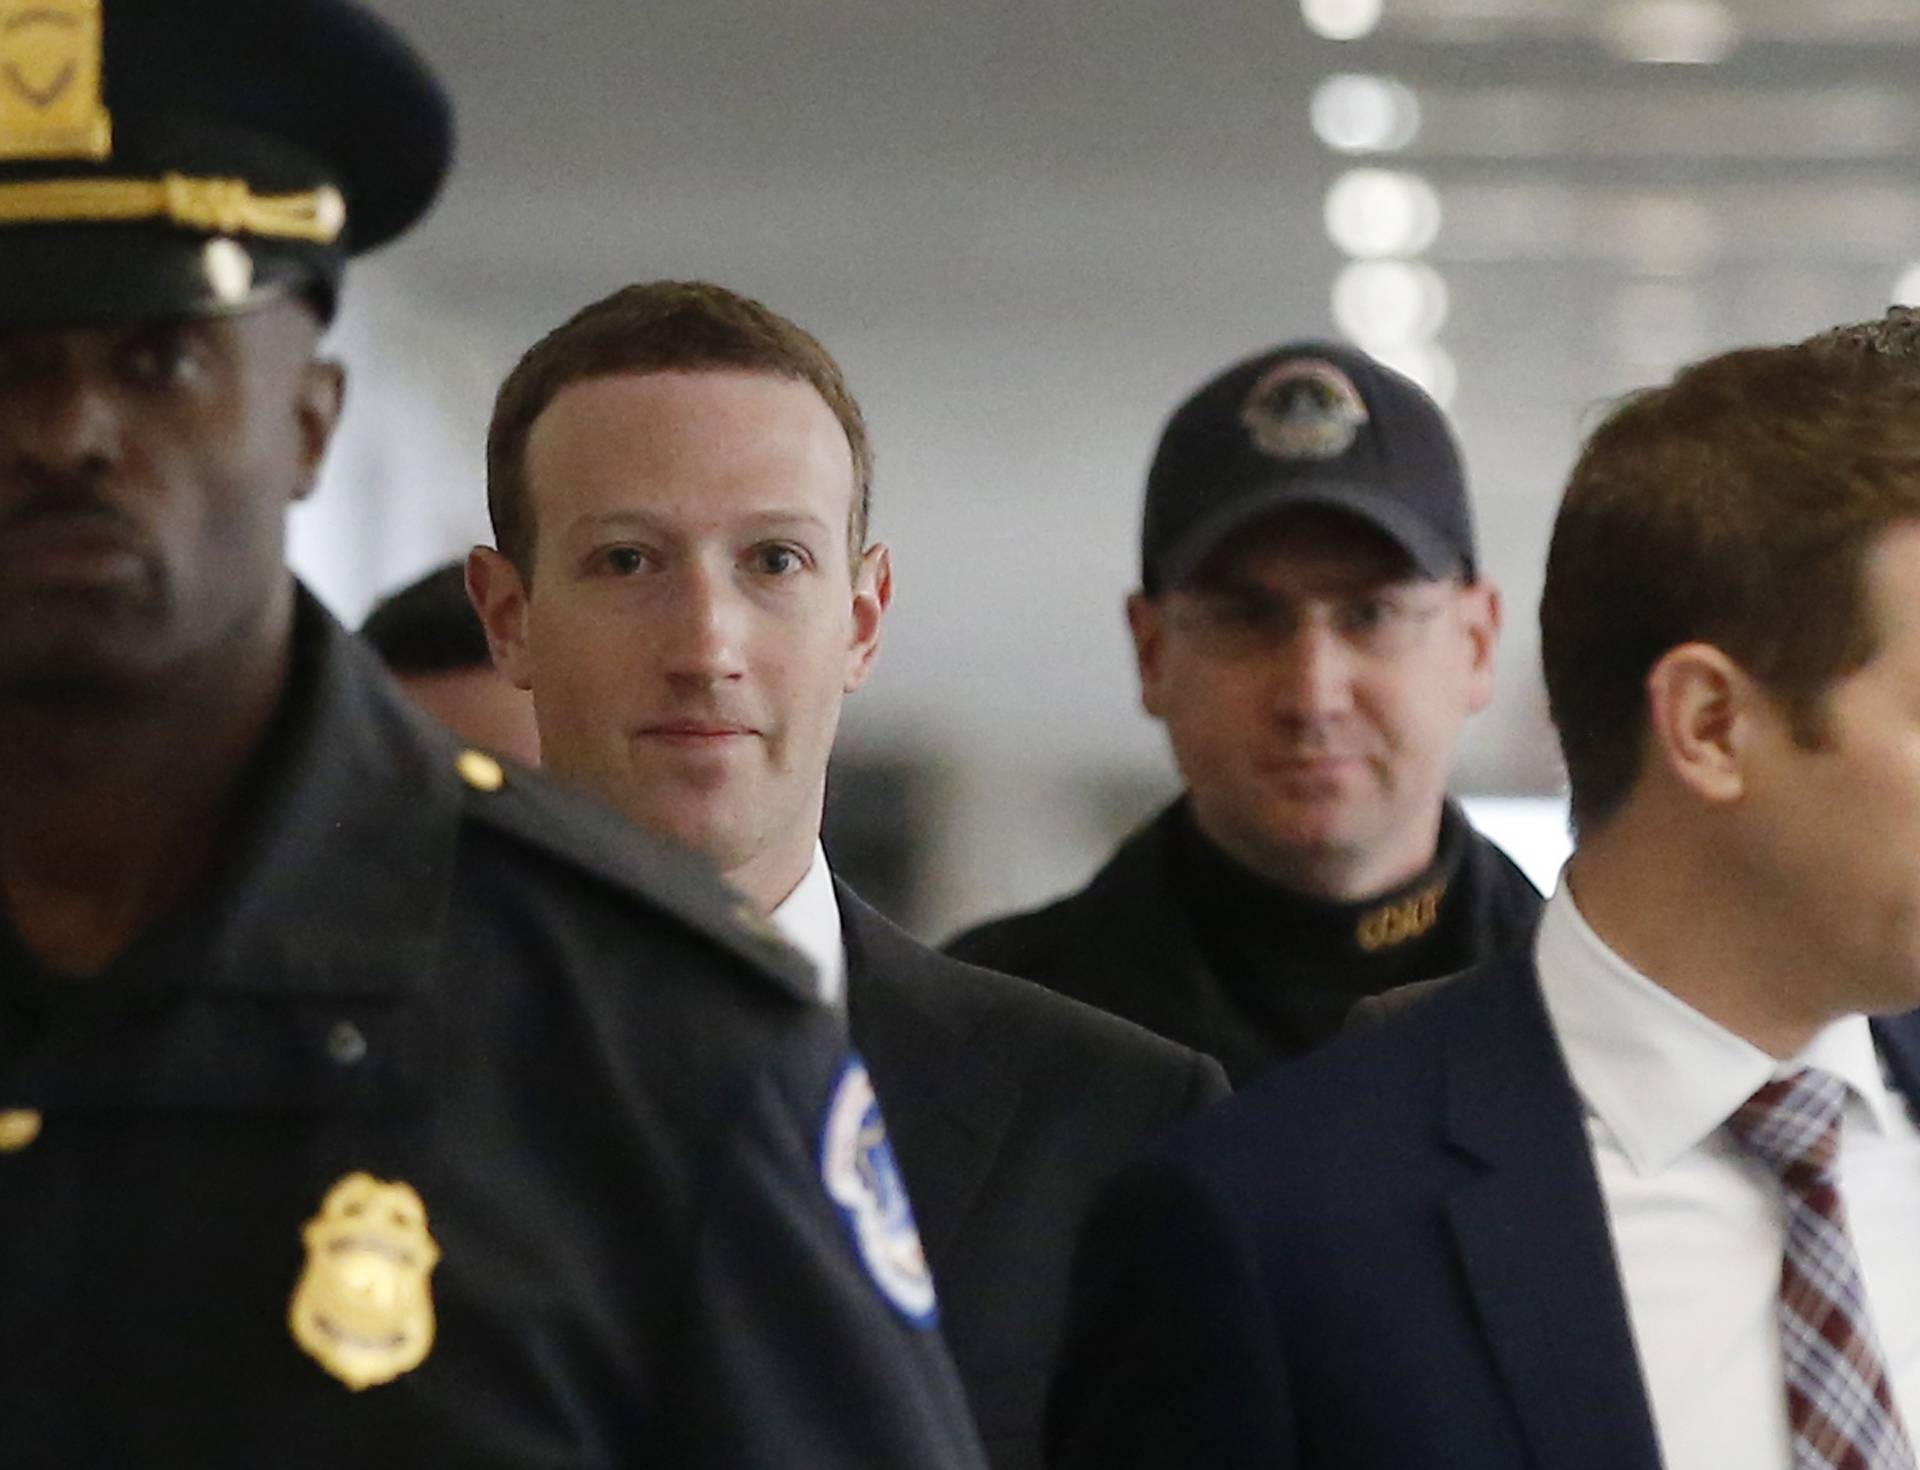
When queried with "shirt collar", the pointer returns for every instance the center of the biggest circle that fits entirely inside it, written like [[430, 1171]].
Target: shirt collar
[[809, 918], [1658, 1073]]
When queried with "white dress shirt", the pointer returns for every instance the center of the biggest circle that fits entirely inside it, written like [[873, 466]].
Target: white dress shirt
[[1699, 1227], [809, 918]]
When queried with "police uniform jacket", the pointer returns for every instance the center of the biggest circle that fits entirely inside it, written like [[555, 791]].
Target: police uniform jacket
[[1009, 1107], [1130, 943], [470, 1090]]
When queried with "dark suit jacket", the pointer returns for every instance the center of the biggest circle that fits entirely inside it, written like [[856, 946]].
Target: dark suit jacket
[[1419, 1277], [1008, 1108]]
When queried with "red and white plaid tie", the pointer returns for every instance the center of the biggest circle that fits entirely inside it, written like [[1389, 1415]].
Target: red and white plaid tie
[[1839, 1405]]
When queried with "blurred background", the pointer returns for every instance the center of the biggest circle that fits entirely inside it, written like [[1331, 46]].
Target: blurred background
[[1027, 228]]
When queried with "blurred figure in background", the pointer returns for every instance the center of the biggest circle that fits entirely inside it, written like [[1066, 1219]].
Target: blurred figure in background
[[679, 481], [1313, 631], [361, 1103], [431, 641]]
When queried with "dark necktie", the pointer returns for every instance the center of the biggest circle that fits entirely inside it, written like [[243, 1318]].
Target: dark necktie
[[1840, 1406]]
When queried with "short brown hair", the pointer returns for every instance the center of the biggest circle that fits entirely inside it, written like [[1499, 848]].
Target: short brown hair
[[657, 327], [1897, 334], [1735, 506]]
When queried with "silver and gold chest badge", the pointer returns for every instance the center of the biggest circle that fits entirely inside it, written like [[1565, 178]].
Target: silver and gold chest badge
[[50, 63], [363, 1309]]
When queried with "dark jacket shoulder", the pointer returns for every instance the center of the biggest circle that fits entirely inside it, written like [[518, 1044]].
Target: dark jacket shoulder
[[1391, 1072], [1371, 1010], [1123, 943], [1128, 943], [1040, 941], [571, 829], [1030, 1024]]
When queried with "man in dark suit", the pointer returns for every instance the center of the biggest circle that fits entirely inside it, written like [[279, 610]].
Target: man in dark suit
[[1642, 1196], [678, 479]]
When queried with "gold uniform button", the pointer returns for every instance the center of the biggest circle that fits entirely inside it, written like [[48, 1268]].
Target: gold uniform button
[[480, 770], [18, 1129]]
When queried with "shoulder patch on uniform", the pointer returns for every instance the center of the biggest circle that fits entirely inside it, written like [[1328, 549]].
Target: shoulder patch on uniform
[[536, 809], [863, 1179]]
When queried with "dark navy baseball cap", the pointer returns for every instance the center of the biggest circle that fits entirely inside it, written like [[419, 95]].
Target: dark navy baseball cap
[[1307, 425], [181, 157]]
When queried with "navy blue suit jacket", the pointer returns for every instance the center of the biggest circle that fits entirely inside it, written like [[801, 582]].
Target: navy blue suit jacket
[[1392, 1254]]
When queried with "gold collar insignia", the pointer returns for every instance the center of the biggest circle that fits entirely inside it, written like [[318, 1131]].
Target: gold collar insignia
[[1396, 923]]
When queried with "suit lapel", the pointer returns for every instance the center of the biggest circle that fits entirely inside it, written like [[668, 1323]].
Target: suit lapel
[[946, 1103], [1532, 1236], [1899, 1040]]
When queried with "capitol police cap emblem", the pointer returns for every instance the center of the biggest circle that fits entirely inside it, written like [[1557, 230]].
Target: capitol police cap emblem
[[1304, 426], [362, 1309], [1305, 408], [863, 1180]]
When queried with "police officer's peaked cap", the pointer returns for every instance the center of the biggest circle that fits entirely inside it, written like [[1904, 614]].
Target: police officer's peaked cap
[[180, 157]]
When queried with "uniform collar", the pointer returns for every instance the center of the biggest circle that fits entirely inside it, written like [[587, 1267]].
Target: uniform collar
[[1658, 1073], [336, 877], [1363, 944], [295, 977]]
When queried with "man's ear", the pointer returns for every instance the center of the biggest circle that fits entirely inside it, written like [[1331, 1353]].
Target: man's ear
[[1480, 618], [322, 394], [499, 596], [872, 596], [1702, 714], [1146, 621]]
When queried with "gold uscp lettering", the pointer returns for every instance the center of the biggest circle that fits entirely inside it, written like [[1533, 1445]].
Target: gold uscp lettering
[[1396, 923]]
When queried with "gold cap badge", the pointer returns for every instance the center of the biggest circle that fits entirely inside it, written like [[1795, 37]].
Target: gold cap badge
[[362, 1309], [50, 63]]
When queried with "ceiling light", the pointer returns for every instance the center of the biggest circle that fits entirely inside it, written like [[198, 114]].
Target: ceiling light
[[1362, 114], [1670, 32], [1341, 20], [1381, 301], [1372, 212]]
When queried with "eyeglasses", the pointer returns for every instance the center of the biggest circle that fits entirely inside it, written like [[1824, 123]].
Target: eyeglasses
[[1246, 622]]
